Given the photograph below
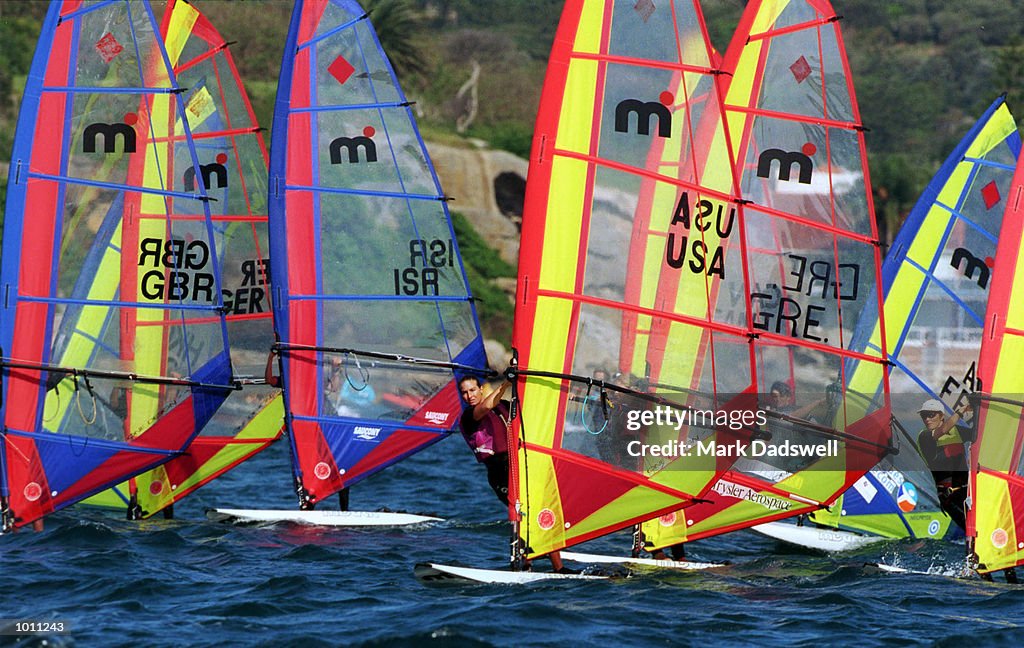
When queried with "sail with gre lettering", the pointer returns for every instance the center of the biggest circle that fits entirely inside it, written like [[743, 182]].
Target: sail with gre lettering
[[811, 263], [112, 329], [372, 307], [233, 168], [668, 241]]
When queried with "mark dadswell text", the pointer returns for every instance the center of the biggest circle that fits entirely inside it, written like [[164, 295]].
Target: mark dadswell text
[[753, 449]]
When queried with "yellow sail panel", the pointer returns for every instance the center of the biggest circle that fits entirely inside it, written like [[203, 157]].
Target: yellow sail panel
[[562, 235], [545, 527], [575, 134], [997, 545], [183, 19]]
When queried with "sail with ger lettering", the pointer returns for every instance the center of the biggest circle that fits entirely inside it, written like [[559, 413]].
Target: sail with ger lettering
[[233, 168]]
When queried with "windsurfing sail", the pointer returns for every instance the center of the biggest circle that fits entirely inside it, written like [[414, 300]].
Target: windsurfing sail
[[112, 324], [766, 253], [937, 277], [995, 515], [629, 154], [371, 303], [811, 264], [233, 168]]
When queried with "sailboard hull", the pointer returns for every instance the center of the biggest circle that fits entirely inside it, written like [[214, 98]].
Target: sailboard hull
[[434, 572], [319, 518], [948, 572], [686, 565], [822, 539]]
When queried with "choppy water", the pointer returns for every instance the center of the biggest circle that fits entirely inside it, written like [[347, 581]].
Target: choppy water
[[192, 582]]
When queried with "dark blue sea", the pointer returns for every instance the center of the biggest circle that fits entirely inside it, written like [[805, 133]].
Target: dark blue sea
[[194, 582]]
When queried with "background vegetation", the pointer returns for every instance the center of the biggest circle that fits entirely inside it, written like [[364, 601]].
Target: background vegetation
[[924, 70]]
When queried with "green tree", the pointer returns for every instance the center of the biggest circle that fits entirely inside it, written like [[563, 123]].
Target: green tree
[[1009, 73], [398, 25]]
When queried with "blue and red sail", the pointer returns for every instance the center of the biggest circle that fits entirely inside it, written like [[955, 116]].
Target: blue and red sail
[[112, 330], [372, 308]]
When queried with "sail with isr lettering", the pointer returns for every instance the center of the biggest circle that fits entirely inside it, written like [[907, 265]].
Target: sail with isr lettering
[[372, 307]]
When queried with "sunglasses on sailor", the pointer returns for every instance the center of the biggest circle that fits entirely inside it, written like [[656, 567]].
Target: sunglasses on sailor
[[928, 415]]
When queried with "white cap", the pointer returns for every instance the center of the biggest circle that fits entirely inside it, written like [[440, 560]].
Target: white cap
[[932, 405]]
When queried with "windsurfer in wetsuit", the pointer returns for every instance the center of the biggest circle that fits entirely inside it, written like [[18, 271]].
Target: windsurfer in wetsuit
[[942, 445], [485, 426]]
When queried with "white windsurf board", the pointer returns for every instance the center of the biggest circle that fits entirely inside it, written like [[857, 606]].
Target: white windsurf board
[[319, 518]]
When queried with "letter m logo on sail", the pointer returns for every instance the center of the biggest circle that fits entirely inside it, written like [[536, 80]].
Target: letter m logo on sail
[[973, 263], [209, 172], [786, 160], [643, 111], [353, 145], [110, 134]]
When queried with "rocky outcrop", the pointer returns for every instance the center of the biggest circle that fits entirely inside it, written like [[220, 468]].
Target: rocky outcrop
[[487, 187]]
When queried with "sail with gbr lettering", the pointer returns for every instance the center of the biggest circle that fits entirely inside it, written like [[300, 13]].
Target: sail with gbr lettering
[[113, 333]]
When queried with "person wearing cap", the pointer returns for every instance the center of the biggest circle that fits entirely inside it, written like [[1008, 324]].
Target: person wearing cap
[[941, 443]]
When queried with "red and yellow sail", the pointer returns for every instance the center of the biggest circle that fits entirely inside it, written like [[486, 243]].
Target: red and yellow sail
[[233, 169], [629, 144], [995, 518]]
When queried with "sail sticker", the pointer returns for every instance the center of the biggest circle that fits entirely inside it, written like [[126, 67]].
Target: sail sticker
[[933, 527], [906, 498], [546, 519], [156, 487], [801, 69], [354, 147], [645, 8], [364, 433], [108, 47], [111, 134], [214, 174], [200, 106], [866, 489], [437, 418], [341, 69], [687, 244], [33, 491], [990, 193], [422, 275], [322, 470], [668, 519], [999, 538]]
